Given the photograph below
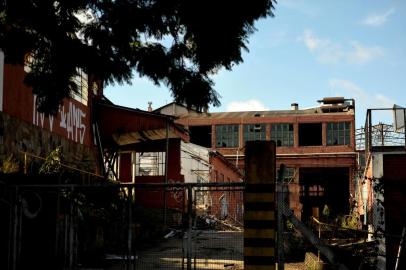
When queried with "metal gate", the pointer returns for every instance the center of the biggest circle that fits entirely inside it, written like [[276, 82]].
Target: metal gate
[[125, 226]]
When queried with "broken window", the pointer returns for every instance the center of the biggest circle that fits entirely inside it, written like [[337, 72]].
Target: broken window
[[227, 136], [150, 164], [254, 132], [282, 134], [81, 81], [201, 135], [338, 133], [310, 134]]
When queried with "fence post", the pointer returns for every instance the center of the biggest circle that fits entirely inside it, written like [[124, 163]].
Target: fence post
[[129, 235], [25, 163], [259, 205], [16, 227], [280, 201], [71, 229], [189, 231]]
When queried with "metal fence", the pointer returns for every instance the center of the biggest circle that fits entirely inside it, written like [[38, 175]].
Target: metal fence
[[124, 226]]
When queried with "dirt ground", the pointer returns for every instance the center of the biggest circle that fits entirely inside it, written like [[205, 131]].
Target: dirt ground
[[210, 250]]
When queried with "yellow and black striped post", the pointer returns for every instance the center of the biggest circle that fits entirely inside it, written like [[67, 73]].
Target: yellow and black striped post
[[259, 206]]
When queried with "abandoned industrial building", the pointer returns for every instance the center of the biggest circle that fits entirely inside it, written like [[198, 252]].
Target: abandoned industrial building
[[180, 173], [317, 145]]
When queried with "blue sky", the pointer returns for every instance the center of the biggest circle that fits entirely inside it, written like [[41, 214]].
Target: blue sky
[[310, 49]]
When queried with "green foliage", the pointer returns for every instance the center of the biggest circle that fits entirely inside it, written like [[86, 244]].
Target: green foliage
[[289, 225], [325, 213], [52, 163], [177, 43], [10, 165], [350, 221]]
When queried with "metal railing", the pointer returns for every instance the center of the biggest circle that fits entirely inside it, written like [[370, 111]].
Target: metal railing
[[381, 134]]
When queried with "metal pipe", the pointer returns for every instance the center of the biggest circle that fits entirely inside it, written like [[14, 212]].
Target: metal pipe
[[400, 248], [136, 185], [166, 169]]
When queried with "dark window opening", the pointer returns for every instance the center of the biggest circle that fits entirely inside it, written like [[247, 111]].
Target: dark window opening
[[324, 188], [254, 132], [282, 134], [201, 135], [310, 134], [227, 136]]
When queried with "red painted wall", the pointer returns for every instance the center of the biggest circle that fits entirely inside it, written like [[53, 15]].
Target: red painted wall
[[150, 197], [73, 121]]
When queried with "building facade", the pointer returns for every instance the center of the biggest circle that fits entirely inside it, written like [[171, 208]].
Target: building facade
[[381, 185], [25, 130], [317, 146]]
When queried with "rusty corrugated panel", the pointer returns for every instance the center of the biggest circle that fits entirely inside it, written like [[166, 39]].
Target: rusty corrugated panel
[[126, 125]]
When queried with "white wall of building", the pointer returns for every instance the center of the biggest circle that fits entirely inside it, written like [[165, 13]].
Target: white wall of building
[[195, 164]]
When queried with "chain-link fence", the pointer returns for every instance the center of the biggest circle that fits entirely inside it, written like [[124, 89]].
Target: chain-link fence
[[123, 226]]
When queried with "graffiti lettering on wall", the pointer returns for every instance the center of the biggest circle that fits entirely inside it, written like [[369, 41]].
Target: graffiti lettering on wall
[[71, 120]]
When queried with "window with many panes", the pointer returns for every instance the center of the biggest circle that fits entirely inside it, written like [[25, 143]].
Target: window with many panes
[[149, 163], [282, 134], [227, 136], [254, 132], [82, 88], [80, 79], [338, 133]]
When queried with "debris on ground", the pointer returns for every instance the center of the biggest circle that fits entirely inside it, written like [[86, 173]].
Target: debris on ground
[[213, 223]]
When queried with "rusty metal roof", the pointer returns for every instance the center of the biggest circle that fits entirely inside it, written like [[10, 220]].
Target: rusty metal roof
[[252, 114]]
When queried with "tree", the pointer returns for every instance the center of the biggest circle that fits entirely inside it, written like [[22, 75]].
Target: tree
[[178, 43]]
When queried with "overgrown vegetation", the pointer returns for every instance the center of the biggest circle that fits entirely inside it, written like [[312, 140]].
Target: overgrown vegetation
[[10, 165], [52, 163]]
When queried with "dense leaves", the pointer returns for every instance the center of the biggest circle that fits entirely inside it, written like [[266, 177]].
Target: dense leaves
[[175, 42]]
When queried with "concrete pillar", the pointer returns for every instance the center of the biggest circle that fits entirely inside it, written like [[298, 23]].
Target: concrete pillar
[[259, 205], [324, 134]]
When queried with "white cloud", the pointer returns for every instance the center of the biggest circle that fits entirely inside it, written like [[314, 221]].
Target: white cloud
[[312, 42], [378, 19], [362, 97], [328, 52], [361, 54], [246, 105], [363, 100]]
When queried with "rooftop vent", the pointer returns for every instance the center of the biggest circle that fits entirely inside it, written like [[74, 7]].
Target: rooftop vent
[[336, 104], [332, 100]]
